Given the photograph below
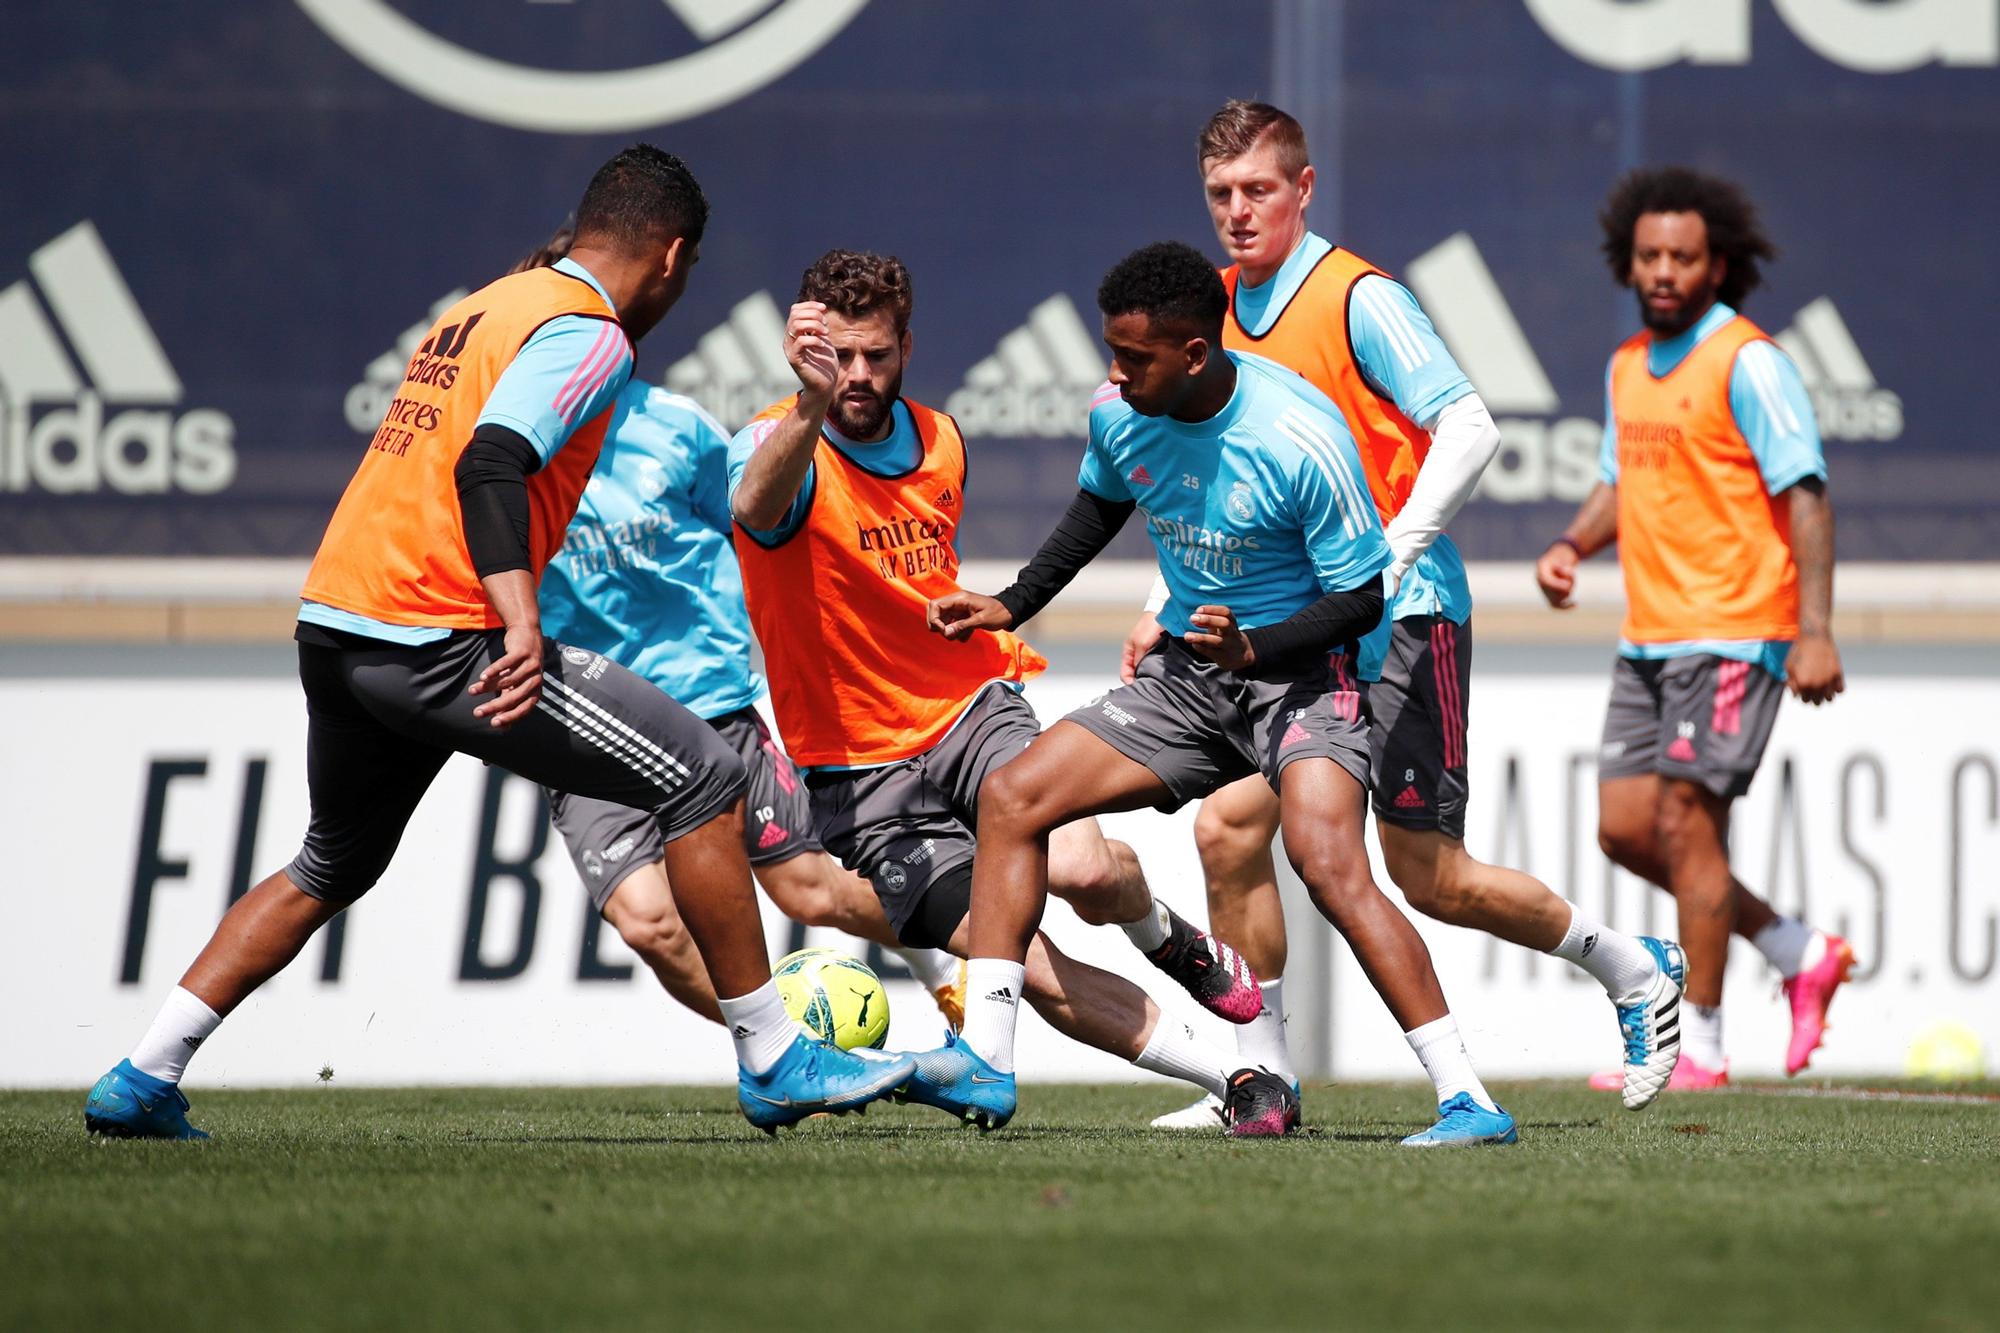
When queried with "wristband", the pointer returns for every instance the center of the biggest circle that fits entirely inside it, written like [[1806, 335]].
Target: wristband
[[1569, 541]]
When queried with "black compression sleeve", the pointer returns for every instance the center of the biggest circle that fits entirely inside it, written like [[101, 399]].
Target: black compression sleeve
[[1333, 619], [492, 475], [1085, 529]]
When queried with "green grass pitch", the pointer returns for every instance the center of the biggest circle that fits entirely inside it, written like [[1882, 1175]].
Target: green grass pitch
[[510, 1208]]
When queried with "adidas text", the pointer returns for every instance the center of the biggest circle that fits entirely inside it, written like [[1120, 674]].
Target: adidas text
[[118, 429]]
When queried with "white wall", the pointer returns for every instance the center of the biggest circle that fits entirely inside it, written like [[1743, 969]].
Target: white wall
[[1868, 811]]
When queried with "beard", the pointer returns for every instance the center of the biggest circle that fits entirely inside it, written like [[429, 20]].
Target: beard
[[1673, 323], [862, 421]]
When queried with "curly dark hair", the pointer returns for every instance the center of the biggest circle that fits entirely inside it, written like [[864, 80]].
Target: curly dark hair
[[643, 196], [855, 283], [1734, 230], [1169, 282]]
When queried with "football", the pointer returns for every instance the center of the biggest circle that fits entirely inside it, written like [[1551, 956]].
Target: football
[[835, 996]]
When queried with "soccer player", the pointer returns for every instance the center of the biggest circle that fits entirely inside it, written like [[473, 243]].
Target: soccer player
[[420, 636], [847, 498], [1712, 482], [1274, 555], [647, 577], [1424, 437]]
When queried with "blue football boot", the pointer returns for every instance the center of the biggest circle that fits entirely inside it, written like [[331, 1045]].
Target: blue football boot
[[953, 1078], [128, 1103], [811, 1077], [1651, 1028], [1463, 1122]]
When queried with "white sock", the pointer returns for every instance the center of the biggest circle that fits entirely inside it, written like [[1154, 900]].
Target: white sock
[[1442, 1050], [931, 967], [1619, 962], [1701, 1035], [183, 1024], [993, 991], [759, 1026], [1790, 945], [1175, 1051], [1149, 932], [1261, 1041]]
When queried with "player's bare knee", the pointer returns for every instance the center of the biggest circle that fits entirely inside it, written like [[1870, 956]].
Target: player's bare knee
[[801, 892], [1627, 844], [1017, 800], [1221, 840], [1338, 882], [1090, 877]]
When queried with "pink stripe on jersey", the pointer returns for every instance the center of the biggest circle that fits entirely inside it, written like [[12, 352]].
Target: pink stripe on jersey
[[605, 353], [1732, 682], [1105, 393], [1451, 700], [1346, 697]]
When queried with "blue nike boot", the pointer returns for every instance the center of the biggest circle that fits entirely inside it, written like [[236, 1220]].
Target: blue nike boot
[[953, 1078], [1463, 1122], [128, 1103], [812, 1076]]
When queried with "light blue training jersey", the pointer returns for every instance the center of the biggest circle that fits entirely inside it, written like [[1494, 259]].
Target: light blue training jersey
[[646, 574], [1261, 508], [569, 370], [1768, 399], [1401, 356]]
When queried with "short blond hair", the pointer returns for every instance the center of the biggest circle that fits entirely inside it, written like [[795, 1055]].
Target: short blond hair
[[1240, 127]]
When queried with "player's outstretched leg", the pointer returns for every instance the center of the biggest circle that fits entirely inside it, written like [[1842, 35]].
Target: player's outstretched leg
[[1101, 878], [783, 1075], [264, 930], [1641, 976], [1322, 817]]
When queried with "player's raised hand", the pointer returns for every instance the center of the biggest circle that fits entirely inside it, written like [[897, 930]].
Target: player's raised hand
[[1555, 573], [515, 680], [1812, 669], [957, 615], [1212, 632], [810, 352], [1138, 643]]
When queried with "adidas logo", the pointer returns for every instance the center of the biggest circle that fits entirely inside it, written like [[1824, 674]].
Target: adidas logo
[[739, 1032], [1004, 995], [57, 433], [1845, 397], [1140, 477], [193, 1043], [1294, 735], [1037, 383], [1589, 943], [1681, 751], [1408, 799], [368, 400], [738, 368], [1543, 457], [772, 835]]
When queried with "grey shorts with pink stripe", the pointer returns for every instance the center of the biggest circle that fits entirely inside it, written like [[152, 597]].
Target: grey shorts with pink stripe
[[1199, 727], [1699, 718], [1417, 742]]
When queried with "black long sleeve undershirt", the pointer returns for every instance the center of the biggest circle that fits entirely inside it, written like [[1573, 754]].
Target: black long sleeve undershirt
[[492, 475], [1084, 530], [1334, 619]]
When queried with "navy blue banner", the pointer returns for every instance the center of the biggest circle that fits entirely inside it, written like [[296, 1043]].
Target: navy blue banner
[[226, 225]]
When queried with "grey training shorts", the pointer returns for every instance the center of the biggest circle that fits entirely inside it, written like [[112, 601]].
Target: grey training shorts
[[1199, 727], [1699, 718], [909, 825], [1417, 740], [382, 718], [608, 842]]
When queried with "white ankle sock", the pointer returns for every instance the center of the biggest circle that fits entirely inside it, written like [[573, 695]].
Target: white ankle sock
[[182, 1025], [1149, 932], [931, 967], [1175, 1051], [759, 1026], [993, 991], [1442, 1050], [1701, 1035], [1620, 963], [1790, 945], [1261, 1041]]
